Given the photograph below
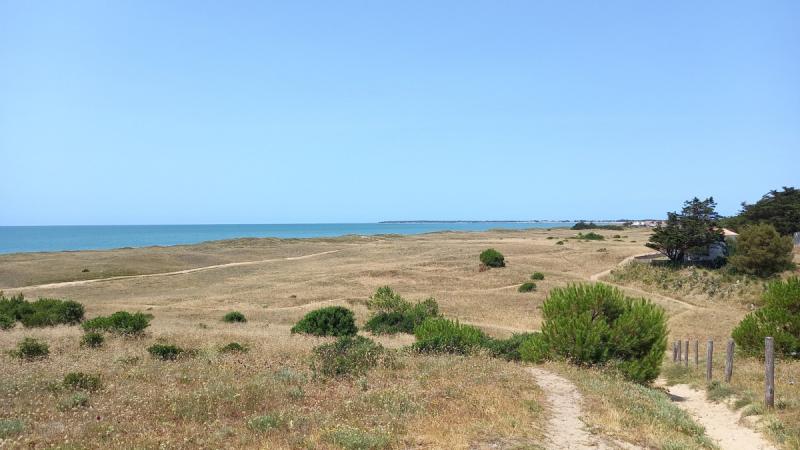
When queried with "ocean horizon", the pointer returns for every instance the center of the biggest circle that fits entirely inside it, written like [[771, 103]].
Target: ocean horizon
[[54, 238]]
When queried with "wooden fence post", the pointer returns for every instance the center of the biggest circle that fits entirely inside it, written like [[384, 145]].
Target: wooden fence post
[[686, 356], [769, 378], [729, 361], [697, 353], [674, 352], [709, 359], [680, 357]]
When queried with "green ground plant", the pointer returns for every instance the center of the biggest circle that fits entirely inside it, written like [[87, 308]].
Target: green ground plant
[[233, 347], [10, 427], [393, 314], [537, 276], [41, 313], [527, 287], [347, 356], [509, 349], [165, 352], [761, 251], [92, 339], [234, 317], [328, 321], [440, 335], [590, 236], [83, 381], [31, 349]]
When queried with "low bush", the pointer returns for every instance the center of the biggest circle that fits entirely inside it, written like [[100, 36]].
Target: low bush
[[779, 318], [234, 317], [264, 423], [492, 258], [92, 339], [347, 356], [590, 324], [350, 438], [84, 381], [329, 321], [76, 400], [527, 287], [233, 347], [593, 226], [41, 313], [165, 352], [508, 349], [393, 314], [560, 243], [440, 335], [534, 349], [10, 427], [537, 276], [761, 251], [590, 236], [6, 322], [30, 349], [121, 322]]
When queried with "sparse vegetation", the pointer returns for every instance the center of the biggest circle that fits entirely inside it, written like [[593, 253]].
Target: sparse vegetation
[[6, 322], [234, 317], [350, 438], [593, 226], [492, 258], [233, 347], [537, 276], [347, 356], [440, 335], [121, 322], [10, 427], [527, 287], [590, 236], [265, 423], [73, 401], [329, 321], [31, 349]]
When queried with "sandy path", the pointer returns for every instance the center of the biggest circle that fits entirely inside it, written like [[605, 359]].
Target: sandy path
[[164, 274], [565, 430], [722, 424]]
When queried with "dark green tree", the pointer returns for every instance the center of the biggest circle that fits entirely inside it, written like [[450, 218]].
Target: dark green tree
[[761, 251], [690, 231], [781, 209]]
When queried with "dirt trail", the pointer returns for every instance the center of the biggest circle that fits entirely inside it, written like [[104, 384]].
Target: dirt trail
[[565, 430], [164, 274], [721, 424]]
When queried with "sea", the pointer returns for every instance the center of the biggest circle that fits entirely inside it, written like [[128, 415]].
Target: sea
[[18, 239]]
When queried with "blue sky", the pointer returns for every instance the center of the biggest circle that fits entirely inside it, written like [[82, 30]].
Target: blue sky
[[149, 112]]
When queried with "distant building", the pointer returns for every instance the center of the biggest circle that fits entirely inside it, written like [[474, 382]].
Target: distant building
[[717, 250], [646, 223], [797, 238]]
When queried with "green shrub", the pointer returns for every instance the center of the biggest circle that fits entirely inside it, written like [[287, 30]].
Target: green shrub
[[329, 321], [779, 318], [165, 352], [582, 225], [527, 287], [393, 314], [440, 335], [30, 348], [41, 313], [92, 339], [347, 356], [234, 316], [76, 400], [84, 381], [762, 251], [10, 427], [265, 423], [590, 236], [534, 349], [350, 438], [121, 322], [560, 243], [592, 324], [6, 322], [233, 347], [537, 276], [492, 258], [508, 349]]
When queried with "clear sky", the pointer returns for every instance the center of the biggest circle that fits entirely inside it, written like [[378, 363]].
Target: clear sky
[[151, 112]]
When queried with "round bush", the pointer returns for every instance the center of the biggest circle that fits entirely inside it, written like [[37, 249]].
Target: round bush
[[595, 323], [537, 276], [233, 347], [527, 287], [30, 348], [92, 340], [492, 258], [234, 317], [779, 318], [329, 321], [761, 251], [165, 352]]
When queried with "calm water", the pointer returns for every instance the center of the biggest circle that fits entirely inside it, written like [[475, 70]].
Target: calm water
[[58, 238]]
